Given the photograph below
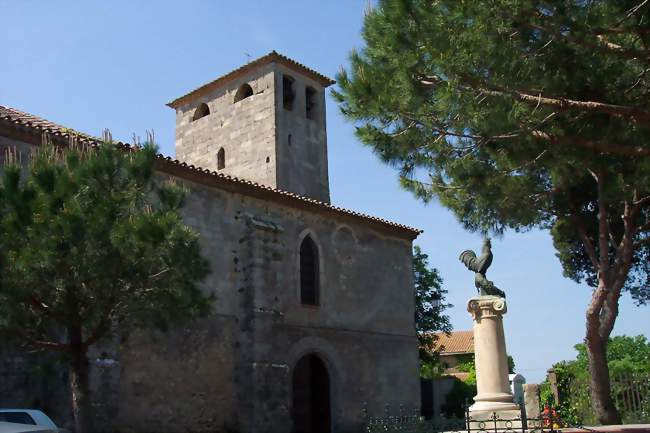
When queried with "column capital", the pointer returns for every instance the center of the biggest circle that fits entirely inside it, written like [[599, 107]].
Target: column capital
[[486, 306]]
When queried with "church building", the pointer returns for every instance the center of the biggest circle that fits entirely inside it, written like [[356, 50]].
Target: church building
[[314, 310]]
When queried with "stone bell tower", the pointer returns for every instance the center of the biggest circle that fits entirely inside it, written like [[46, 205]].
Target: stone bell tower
[[263, 122]]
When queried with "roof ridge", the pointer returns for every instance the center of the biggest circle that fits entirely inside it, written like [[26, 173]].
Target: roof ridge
[[267, 58], [18, 117]]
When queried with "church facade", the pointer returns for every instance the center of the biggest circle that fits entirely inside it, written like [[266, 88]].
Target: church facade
[[314, 309]]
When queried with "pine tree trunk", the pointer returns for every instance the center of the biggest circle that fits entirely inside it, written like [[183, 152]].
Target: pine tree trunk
[[599, 384], [80, 386]]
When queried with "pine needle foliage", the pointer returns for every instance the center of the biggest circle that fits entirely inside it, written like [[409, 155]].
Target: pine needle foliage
[[92, 245], [521, 114]]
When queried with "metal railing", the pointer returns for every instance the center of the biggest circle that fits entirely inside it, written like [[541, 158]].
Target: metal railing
[[410, 421], [630, 392]]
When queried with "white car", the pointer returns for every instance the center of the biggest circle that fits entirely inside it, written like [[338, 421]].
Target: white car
[[12, 427], [28, 418]]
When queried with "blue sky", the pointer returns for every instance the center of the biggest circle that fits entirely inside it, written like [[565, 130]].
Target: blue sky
[[91, 64]]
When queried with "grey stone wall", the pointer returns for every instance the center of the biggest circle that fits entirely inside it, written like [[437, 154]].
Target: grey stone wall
[[244, 129], [302, 159], [233, 370], [263, 141], [34, 380], [363, 329], [179, 381], [14, 151]]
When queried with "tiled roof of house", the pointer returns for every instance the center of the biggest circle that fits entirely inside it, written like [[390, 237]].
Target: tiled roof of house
[[271, 57], [22, 120], [455, 343]]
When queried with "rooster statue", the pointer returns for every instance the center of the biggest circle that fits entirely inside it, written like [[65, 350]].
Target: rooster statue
[[480, 265]]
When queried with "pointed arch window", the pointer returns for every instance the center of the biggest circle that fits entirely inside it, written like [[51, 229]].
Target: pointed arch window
[[201, 111], [309, 272], [221, 159]]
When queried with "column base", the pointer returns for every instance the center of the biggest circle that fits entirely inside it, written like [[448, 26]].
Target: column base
[[493, 402], [485, 406]]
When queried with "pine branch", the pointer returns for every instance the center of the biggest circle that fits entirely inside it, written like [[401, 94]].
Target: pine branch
[[638, 114], [472, 84], [603, 44], [603, 226], [622, 265], [631, 12], [50, 345], [621, 31], [35, 302], [586, 241], [594, 146], [42, 344], [642, 201]]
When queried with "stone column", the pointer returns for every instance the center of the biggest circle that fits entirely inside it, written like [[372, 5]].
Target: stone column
[[552, 378], [493, 388], [531, 400]]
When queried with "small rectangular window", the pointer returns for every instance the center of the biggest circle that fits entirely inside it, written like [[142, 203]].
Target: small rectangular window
[[288, 95], [221, 159], [310, 103]]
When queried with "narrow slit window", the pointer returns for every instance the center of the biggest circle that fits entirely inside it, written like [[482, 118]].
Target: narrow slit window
[[310, 102], [221, 159], [201, 111], [288, 94], [309, 272], [244, 91]]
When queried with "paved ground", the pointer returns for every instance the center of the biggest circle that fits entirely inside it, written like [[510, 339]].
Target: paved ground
[[628, 428]]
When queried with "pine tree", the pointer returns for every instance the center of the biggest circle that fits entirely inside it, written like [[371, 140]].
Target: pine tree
[[92, 245], [521, 114]]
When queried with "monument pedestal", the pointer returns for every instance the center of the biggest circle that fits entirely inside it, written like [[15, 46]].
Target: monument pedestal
[[493, 388]]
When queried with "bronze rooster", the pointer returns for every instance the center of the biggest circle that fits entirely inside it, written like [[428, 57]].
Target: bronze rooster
[[480, 265]]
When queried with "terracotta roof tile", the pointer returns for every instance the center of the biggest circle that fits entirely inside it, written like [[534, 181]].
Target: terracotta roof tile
[[271, 57], [21, 119], [27, 119], [456, 342]]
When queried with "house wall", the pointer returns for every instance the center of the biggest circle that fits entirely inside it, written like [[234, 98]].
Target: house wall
[[450, 361]]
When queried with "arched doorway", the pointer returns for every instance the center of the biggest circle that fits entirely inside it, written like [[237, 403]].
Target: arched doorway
[[311, 396]]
